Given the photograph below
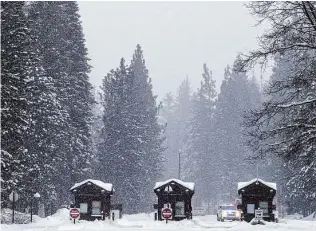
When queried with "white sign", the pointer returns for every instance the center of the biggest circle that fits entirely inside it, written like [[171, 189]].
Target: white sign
[[258, 213], [16, 196]]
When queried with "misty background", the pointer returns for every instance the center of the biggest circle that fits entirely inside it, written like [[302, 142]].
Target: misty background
[[178, 37], [78, 96]]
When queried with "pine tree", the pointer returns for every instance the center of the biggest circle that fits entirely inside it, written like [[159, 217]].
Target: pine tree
[[198, 150], [131, 147], [42, 137], [115, 163], [177, 113], [16, 72], [238, 95], [168, 115], [145, 128], [65, 61]]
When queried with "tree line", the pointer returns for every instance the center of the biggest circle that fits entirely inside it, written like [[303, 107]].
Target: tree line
[[283, 128], [45, 101], [204, 128], [52, 132], [56, 129], [224, 137]]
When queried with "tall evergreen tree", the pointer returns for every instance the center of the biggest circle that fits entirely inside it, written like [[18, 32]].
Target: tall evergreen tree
[[131, 138], [46, 99], [147, 131], [168, 114], [198, 150], [61, 41], [177, 113], [237, 96], [42, 138], [33, 165], [17, 69], [115, 162]]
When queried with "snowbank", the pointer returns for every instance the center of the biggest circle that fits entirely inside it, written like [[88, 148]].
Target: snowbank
[[19, 218], [311, 217], [295, 216], [145, 222]]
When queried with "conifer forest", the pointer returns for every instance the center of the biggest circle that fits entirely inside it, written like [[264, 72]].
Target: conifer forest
[[57, 128]]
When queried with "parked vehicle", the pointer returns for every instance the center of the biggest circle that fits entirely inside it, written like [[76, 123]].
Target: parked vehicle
[[228, 212]]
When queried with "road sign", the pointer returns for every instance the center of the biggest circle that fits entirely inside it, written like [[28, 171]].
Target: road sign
[[259, 214], [75, 213], [166, 213], [13, 196]]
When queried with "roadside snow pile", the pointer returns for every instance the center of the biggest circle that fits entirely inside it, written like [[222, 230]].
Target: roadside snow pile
[[19, 218], [210, 221], [311, 217], [61, 213], [256, 221], [295, 216], [147, 221], [134, 220], [60, 217]]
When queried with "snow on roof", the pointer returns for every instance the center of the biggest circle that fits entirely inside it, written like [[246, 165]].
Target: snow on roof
[[188, 185], [245, 184], [106, 186]]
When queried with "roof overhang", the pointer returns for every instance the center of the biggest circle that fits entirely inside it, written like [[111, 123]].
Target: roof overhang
[[104, 186], [242, 185], [188, 185]]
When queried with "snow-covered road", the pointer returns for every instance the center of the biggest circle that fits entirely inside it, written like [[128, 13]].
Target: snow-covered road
[[61, 222]]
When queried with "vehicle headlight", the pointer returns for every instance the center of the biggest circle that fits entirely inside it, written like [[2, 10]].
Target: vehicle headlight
[[224, 213]]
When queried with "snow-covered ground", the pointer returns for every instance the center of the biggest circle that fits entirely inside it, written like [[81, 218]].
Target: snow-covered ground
[[311, 217], [60, 222]]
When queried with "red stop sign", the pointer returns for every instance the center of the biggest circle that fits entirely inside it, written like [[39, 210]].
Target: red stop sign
[[166, 213], [75, 213]]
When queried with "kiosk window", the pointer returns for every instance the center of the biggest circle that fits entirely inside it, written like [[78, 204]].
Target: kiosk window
[[263, 205], [83, 207], [96, 207], [251, 208], [179, 208]]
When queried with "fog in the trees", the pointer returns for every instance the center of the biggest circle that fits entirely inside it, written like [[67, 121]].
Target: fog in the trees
[[133, 93]]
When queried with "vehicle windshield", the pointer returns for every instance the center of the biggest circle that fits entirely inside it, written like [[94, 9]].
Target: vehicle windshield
[[229, 207]]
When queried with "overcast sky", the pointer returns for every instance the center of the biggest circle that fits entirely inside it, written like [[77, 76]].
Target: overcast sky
[[176, 37]]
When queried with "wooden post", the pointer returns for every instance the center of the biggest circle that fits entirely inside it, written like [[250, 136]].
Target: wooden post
[[113, 216], [156, 216], [13, 204], [179, 173], [31, 209]]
